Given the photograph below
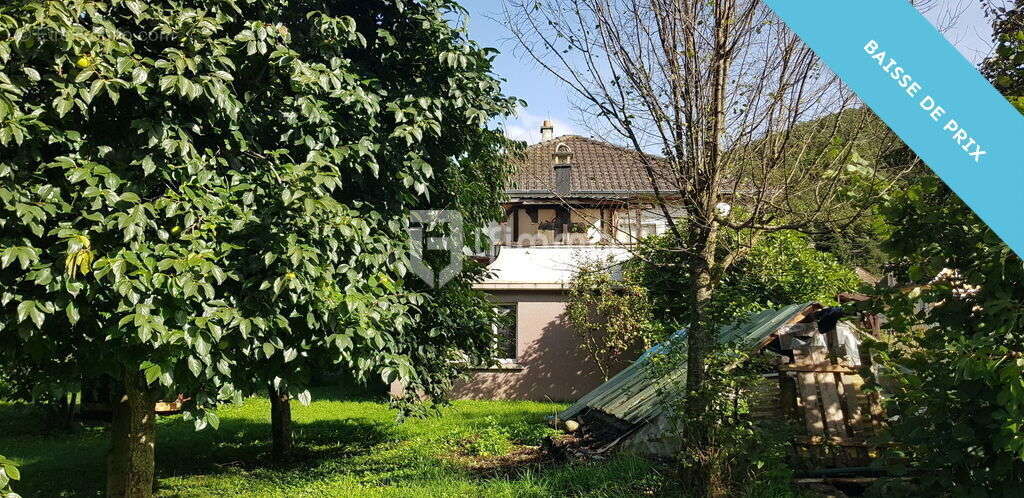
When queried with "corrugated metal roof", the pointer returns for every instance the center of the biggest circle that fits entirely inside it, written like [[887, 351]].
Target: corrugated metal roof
[[641, 391]]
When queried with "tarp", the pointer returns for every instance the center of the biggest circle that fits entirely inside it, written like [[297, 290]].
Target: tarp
[[641, 392]]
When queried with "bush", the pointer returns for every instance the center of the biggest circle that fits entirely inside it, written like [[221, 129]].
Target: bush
[[782, 268], [530, 434], [612, 317], [952, 369]]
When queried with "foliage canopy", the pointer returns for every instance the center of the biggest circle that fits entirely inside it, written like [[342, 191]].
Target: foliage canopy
[[210, 193], [783, 268], [954, 344]]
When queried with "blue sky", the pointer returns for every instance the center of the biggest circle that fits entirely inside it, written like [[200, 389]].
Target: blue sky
[[547, 99]]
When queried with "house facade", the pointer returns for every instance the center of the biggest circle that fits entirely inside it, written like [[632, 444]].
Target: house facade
[[573, 200]]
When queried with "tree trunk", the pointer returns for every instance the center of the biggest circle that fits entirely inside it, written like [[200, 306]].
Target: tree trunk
[[701, 475], [701, 334], [131, 461], [280, 422]]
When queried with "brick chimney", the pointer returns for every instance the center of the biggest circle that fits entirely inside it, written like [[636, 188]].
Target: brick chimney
[[547, 131]]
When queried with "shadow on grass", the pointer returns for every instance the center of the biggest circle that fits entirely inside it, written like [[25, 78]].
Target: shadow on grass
[[22, 419], [78, 460], [350, 392], [339, 447], [245, 444]]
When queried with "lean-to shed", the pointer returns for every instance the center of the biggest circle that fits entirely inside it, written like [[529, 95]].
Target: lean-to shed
[[817, 381]]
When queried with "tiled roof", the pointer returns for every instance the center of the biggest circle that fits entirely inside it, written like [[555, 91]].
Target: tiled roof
[[597, 167]]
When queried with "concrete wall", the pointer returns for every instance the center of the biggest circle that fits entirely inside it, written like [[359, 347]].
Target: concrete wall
[[549, 366]]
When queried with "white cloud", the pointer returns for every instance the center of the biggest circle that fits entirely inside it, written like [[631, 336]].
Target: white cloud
[[526, 126]]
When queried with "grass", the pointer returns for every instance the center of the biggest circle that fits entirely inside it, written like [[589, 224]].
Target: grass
[[348, 447]]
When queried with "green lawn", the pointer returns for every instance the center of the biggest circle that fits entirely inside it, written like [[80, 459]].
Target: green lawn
[[348, 448]]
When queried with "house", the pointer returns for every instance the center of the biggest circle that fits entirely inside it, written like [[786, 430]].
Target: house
[[573, 200]]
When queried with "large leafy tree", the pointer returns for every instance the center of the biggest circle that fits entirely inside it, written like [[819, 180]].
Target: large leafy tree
[[210, 197], [954, 382]]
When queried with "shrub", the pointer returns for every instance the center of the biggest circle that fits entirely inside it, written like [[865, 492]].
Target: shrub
[[530, 433], [724, 447], [781, 269], [953, 369], [612, 317], [955, 385]]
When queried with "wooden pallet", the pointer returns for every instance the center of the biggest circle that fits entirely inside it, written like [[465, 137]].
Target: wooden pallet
[[828, 398]]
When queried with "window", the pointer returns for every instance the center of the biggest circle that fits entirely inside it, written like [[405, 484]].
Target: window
[[505, 333]]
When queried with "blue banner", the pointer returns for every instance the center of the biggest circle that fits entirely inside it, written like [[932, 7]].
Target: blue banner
[[929, 95]]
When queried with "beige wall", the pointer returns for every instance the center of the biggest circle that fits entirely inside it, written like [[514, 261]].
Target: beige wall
[[550, 363]]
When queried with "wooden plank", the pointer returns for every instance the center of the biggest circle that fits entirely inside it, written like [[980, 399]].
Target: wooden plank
[[168, 407], [788, 397], [832, 342], [835, 441], [874, 400], [828, 368], [854, 456], [877, 415], [851, 393], [807, 384], [830, 403]]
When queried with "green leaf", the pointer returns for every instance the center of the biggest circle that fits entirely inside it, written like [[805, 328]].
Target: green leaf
[[12, 472], [72, 311], [213, 420], [195, 366], [24, 309], [153, 373], [37, 316], [244, 326], [223, 367], [139, 75]]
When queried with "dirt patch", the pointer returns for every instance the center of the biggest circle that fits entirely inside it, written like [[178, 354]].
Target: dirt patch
[[520, 458]]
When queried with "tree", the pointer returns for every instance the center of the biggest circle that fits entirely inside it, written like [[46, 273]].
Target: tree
[[187, 186], [612, 317], [718, 88], [953, 344]]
